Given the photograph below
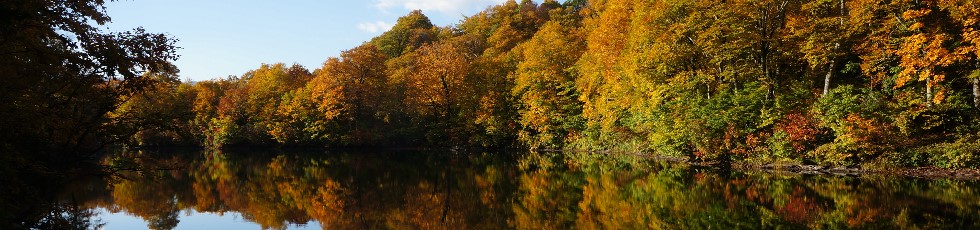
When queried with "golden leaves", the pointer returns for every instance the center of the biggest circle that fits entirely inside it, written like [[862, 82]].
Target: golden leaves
[[921, 56], [439, 81], [543, 85], [914, 14]]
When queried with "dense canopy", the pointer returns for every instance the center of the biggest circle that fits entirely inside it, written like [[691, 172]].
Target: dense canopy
[[835, 82]]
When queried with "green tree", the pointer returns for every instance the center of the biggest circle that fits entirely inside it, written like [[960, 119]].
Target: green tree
[[410, 32], [544, 86]]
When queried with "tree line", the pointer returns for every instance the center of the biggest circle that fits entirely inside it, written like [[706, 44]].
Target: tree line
[[838, 82], [824, 81]]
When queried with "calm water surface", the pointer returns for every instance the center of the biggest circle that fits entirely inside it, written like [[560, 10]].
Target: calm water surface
[[447, 190]]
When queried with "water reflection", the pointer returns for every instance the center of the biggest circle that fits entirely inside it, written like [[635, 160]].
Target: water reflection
[[446, 190], [337, 190]]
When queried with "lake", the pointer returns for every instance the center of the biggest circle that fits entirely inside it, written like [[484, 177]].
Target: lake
[[416, 189]]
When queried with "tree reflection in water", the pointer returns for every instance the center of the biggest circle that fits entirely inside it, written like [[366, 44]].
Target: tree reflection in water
[[442, 190]]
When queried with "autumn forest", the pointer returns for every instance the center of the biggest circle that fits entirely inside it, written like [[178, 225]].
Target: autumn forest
[[818, 81], [830, 82], [852, 84]]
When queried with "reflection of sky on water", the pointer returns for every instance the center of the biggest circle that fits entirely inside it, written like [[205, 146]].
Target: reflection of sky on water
[[422, 190], [189, 220]]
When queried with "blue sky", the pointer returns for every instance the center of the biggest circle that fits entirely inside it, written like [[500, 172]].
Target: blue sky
[[219, 38]]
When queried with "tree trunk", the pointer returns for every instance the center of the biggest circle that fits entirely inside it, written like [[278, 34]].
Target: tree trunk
[[976, 92], [833, 61], [929, 91], [826, 79], [447, 110], [708, 88]]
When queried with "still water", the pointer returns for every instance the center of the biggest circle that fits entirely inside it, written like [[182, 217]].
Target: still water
[[452, 190]]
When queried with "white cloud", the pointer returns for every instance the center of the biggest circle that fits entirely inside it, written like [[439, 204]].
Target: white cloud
[[443, 6], [374, 27]]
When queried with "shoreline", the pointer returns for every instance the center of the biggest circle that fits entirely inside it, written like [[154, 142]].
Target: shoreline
[[924, 172]]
